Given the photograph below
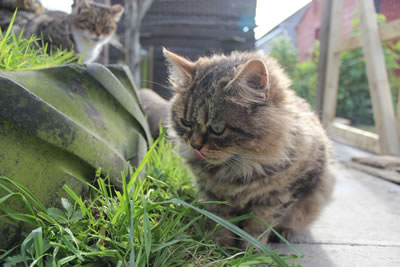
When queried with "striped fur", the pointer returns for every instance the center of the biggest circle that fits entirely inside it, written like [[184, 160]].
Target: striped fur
[[273, 157]]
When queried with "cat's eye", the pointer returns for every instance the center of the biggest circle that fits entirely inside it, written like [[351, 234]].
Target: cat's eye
[[186, 123], [218, 128]]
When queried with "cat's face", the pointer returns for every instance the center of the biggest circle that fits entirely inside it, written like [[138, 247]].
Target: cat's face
[[223, 106], [96, 22]]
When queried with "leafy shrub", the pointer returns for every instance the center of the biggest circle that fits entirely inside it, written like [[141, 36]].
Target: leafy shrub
[[303, 74], [354, 101]]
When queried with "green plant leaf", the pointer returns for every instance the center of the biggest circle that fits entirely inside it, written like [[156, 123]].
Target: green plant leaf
[[76, 198], [58, 215], [15, 260], [67, 206]]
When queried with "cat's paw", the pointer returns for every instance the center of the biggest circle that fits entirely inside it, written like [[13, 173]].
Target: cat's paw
[[245, 245], [225, 238], [284, 232]]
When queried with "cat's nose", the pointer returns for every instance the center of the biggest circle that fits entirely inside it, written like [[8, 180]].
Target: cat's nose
[[196, 146], [196, 142]]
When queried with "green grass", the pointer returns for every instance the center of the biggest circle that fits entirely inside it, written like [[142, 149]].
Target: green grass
[[152, 221], [18, 53]]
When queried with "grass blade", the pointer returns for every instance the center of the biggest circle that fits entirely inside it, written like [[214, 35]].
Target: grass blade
[[147, 231], [145, 159], [38, 244], [132, 259], [77, 198], [25, 191], [267, 251]]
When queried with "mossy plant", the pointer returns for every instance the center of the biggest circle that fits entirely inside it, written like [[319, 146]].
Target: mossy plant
[[153, 221]]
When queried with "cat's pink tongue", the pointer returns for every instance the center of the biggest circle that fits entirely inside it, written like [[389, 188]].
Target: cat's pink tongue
[[199, 155]]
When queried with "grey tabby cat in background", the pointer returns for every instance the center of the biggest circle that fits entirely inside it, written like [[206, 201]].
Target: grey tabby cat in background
[[86, 30]]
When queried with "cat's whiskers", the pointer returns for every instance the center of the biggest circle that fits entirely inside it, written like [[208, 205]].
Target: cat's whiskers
[[259, 167], [232, 166], [255, 157], [159, 84], [245, 169]]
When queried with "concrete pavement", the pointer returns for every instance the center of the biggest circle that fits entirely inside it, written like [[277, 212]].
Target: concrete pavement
[[359, 227]]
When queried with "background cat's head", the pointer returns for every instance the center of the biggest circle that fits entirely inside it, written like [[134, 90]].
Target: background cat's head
[[228, 106], [96, 22]]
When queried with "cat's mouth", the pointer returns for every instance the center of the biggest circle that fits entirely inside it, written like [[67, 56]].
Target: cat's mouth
[[209, 158], [199, 155]]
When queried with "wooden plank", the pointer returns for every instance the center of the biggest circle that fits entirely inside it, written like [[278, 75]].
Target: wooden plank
[[333, 65], [388, 175], [387, 33], [398, 114], [355, 137], [381, 162], [378, 79], [323, 55]]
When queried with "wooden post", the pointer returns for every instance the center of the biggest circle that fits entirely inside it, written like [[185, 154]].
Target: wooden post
[[333, 65], [323, 55], [135, 11], [398, 113], [378, 79], [106, 48], [151, 66]]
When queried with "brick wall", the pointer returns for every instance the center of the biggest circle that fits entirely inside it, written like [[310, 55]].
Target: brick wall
[[391, 9], [308, 27]]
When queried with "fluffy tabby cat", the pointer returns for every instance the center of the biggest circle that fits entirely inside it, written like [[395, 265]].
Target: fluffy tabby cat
[[250, 141], [86, 30]]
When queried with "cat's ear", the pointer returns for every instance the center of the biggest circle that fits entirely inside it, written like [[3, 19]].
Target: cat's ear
[[255, 74], [117, 11], [251, 82], [85, 2], [179, 67]]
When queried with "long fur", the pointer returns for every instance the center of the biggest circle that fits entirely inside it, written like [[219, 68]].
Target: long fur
[[273, 157]]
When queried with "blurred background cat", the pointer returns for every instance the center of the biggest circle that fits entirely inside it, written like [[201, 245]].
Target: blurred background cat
[[86, 30]]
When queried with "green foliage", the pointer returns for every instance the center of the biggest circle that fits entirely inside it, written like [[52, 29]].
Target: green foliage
[[354, 101], [285, 52], [18, 53], [153, 221], [303, 74]]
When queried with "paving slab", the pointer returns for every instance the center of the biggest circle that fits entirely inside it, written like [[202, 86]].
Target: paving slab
[[346, 152], [346, 255], [359, 227]]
